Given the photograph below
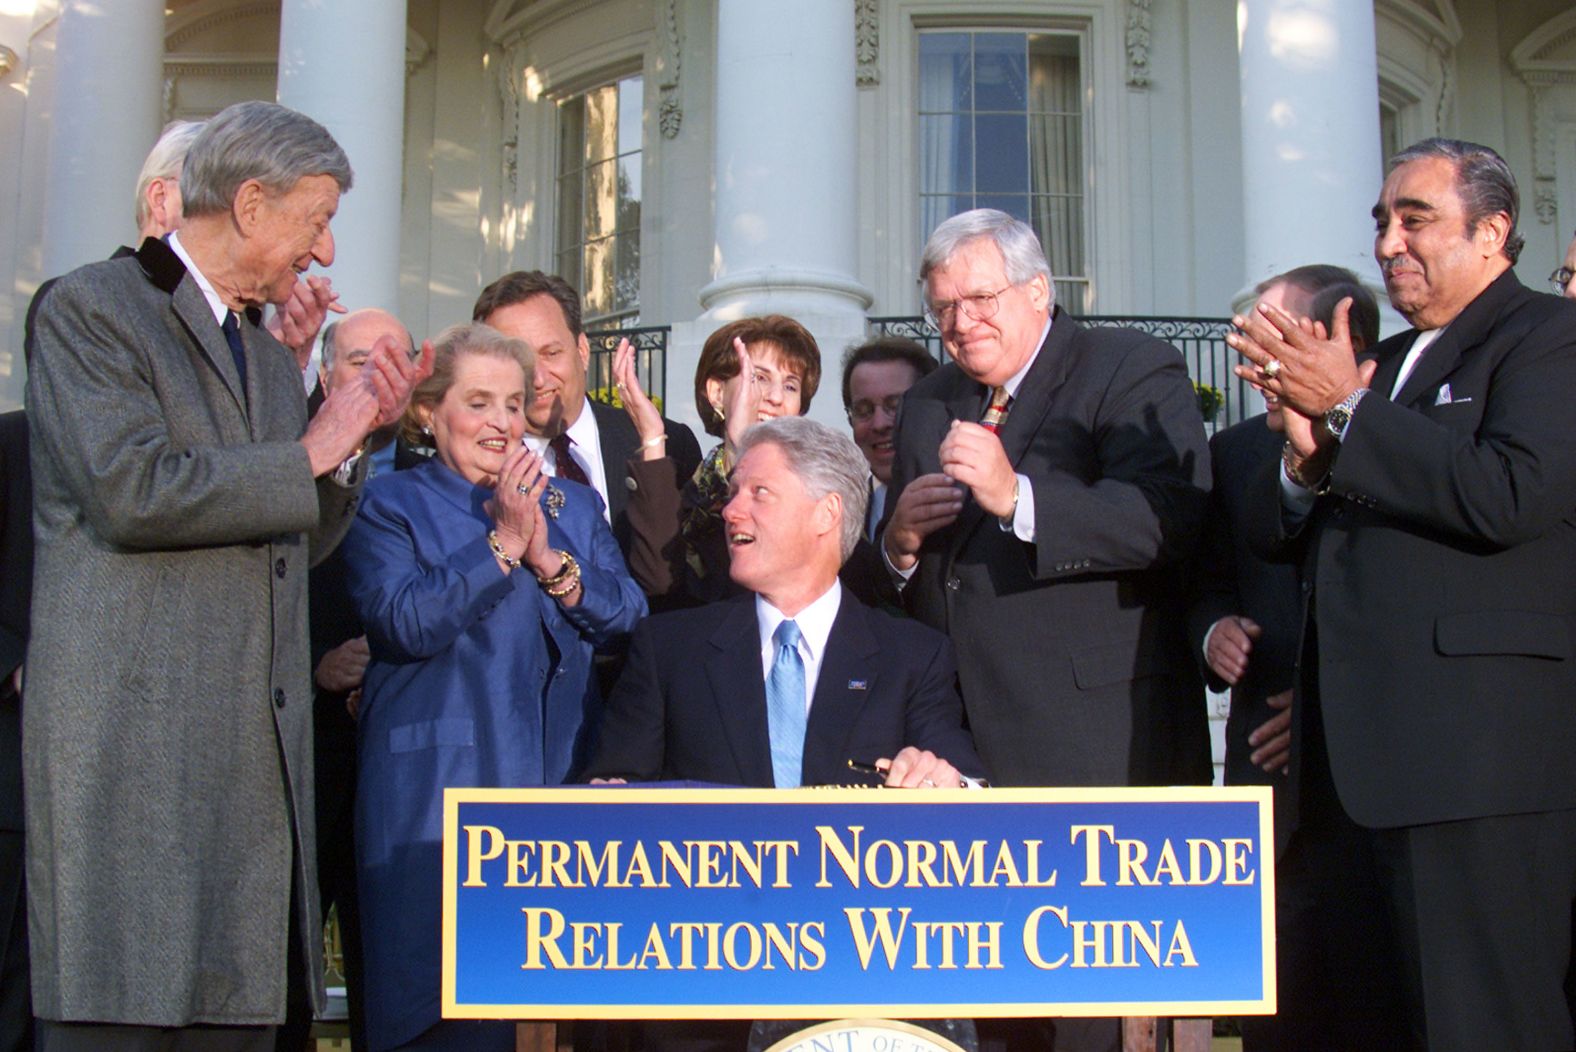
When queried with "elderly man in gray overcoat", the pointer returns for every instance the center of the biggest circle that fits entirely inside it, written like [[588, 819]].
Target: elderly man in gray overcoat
[[180, 495]]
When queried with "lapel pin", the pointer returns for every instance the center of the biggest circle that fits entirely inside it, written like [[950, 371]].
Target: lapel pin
[[858, 684]]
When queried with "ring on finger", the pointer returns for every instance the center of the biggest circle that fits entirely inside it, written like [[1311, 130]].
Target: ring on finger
[[1272, 368], [928, 781], [522, 489]]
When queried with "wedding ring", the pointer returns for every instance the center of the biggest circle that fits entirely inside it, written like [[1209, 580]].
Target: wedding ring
[[928, 781], [522, 489], [1272, 368]]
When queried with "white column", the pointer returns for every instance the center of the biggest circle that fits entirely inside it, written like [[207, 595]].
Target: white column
[[109, 72], [343, 64], [786, 182], [1310, 136], [786, 175]]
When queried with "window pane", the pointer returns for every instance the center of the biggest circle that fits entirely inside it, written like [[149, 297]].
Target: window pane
[[626, 289], [601, 200], [596, 285], [946, 153], [1056, 155], [601, 130], [631, 106], [1015, 205], [1000, 74], [1059, 223], [1001, 152], [944, 73], [629, 192]]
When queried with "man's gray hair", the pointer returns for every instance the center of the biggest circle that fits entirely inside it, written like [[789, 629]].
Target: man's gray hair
[[1017, 241], [257, 140], [1483, 180], [826, 461], [164, 160]]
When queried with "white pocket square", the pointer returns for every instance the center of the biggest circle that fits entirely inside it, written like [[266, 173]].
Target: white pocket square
[[1445, 398]]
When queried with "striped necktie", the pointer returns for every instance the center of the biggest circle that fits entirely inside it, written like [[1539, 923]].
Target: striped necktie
[[564, 462], [996, 414]]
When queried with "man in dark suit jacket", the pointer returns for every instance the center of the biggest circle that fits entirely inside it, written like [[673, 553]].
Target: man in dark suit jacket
[[693, 700], [544, 311], [1432, 505], [16, 590], [1047, 549]]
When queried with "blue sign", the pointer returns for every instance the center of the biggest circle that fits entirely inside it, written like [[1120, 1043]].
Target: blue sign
[[818, 903]]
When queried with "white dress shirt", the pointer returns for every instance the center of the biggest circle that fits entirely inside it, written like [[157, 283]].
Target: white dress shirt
[[815, 628], [587, 451]]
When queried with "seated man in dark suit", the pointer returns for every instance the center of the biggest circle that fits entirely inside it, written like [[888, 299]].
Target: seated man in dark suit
[[783, 687]]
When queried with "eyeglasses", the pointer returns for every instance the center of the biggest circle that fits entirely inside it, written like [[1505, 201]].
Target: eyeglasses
[[864, 409], [1560, 278], [981, 306]]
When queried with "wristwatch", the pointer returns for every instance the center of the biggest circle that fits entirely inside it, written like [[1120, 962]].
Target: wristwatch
[[1339, 418]]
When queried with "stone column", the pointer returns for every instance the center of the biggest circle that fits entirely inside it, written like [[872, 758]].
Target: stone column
[[343, 64], [786, 179], [1310, 136], [109, 77]]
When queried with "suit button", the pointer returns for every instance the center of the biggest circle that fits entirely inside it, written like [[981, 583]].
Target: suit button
[[1307, 588], [279, 567], [279, 697], [630, 484], [953, 584]]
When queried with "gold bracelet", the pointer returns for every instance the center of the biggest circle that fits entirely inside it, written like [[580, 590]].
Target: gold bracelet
[[497, 549], [567, 588], [566, 569]]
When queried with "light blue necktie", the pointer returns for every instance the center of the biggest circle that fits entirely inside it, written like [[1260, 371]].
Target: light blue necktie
[[785, 715]]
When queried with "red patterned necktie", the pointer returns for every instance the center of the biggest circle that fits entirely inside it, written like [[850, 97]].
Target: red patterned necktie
[[564, 464], [996, 414]]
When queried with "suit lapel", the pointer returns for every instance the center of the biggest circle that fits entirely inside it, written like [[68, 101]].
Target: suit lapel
[[733, 669], [1467, 330], [841, 690], [165, 269], [619, 440]]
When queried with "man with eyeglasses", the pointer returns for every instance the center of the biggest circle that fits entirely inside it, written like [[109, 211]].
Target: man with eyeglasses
[[1048, 484]]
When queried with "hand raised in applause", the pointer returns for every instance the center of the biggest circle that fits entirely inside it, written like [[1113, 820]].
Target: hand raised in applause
[[297, 321], [929, 503], [642, 411], [516, 508], [375, 398], [743, 401], [1315, 371]]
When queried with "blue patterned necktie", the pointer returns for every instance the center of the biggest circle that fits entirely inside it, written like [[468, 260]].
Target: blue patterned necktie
[[785, 715]]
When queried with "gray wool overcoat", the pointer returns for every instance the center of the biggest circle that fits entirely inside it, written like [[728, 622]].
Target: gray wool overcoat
[[168, 721]]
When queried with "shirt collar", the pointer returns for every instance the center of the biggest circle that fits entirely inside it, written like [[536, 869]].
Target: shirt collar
[[583, 432], [814, 621], [215, 304], [1016, 379]]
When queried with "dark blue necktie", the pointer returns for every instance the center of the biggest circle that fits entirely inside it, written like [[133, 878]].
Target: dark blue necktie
[[232, 336], [785, 715]]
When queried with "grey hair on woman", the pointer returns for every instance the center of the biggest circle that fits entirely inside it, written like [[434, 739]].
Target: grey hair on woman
[[1016, 240], [257, 140], [468, 338], [826, 461]]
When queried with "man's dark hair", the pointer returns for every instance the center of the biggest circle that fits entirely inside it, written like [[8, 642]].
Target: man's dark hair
[[1312, 278], [521, 286], [1364, 317], [1483, 180], [886, 349]]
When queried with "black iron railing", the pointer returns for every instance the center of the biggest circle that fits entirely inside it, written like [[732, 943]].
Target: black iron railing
[[1223, 398], [651, 361]]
